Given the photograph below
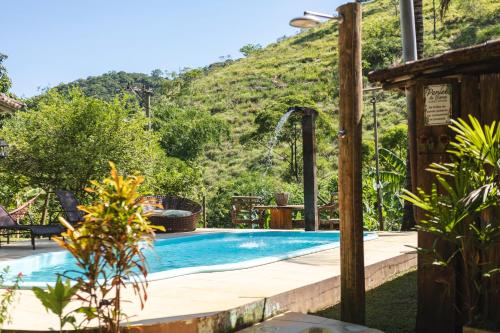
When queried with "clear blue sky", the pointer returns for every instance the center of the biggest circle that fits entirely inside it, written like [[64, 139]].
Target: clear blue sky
[[54, 41]]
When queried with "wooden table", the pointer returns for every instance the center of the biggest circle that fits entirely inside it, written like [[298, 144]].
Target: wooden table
[[281, 216]]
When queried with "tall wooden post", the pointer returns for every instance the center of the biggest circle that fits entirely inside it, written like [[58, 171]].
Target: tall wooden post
[[309, 157], [352, 275], [148, 107], [45, 211], [205, 222]]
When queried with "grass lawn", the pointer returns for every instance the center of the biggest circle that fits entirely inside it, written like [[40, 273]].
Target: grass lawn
[[391, 308]]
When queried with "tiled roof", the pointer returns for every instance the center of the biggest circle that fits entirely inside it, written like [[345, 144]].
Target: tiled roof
[[10, 103]]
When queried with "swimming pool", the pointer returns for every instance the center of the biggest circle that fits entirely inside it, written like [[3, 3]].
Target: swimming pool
[[211, 252]]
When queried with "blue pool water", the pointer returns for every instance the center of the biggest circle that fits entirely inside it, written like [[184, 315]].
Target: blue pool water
[[193, 254]]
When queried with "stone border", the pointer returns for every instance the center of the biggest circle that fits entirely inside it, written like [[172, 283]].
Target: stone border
[[310, 298]]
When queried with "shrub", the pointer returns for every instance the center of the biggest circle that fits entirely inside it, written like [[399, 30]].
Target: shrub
[[108, 248]]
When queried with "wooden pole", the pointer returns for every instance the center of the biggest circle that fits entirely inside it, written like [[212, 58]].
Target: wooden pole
[[205, 222], [377, 162], [352, 275], [309, 157], [148, 108], [45, 210]]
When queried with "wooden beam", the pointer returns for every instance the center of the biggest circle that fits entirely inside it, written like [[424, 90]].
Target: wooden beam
[[487, 54], [352, 275], [309, 158]]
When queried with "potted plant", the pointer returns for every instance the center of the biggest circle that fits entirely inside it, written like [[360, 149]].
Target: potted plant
[[460, 212], [281, 198]]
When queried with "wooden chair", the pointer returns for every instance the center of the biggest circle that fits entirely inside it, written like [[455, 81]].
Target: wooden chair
[[244, 213], [327, 215]]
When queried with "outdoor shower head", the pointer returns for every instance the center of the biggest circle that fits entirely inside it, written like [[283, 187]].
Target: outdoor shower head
[[303, 110]]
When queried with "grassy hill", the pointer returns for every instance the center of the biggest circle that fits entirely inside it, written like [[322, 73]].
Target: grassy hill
[[306, 64]]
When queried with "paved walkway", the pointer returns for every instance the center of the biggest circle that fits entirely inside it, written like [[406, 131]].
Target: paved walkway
[[292, 322], [203, 294]]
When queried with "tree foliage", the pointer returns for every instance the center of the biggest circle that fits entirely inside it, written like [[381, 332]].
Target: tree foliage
[[107, 86], [5, 82], [395, 139], [249, 49], [69, 140], [186, 133]]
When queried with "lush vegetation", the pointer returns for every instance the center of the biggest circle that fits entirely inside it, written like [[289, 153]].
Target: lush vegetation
[[69, 139], [108, 85], [212, 126], [251, 93]]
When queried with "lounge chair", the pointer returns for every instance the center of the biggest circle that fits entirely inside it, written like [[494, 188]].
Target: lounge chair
[[10, 224], [174, 213], [69, 205]]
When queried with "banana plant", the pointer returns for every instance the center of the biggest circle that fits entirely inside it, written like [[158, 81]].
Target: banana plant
[[392, 179]]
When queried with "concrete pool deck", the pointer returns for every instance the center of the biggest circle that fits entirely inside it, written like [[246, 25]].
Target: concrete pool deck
[[224, 301]]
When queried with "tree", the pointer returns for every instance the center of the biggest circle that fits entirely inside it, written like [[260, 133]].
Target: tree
[[186, 133], [250, 49], [5, 82], [179, 84], [111, 84], [157, 73], [69, 141], [395, 139]]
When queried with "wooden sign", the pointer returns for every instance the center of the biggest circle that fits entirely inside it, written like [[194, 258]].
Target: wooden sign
[[437, 107]]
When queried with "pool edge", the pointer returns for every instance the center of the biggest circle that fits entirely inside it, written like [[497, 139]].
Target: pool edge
[[163, 275]]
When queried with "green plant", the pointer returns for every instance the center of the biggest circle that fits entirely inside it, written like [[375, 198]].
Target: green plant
[[108, 248], [8, 296], [67, 140], [392, 177], [56, 298], [459, 209]]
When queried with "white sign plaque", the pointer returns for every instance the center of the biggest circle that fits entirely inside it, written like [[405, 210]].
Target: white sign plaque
[[437, 101]]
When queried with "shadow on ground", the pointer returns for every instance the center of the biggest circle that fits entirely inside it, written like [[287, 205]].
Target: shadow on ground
[[391, 308]]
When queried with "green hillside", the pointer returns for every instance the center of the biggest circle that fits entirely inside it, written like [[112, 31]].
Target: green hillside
[[251, 93], [306, 64]]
